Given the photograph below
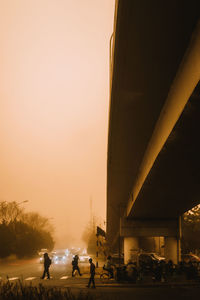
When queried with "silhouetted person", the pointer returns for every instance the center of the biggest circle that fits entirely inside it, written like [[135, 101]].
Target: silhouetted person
[[47, 263], [170, 268], [92, 274], [108, 266], [163, 270], [157, 271], [131, 271], [75, 265], [191, 271]]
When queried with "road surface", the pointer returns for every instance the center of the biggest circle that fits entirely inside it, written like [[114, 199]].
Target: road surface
[[30, 271]]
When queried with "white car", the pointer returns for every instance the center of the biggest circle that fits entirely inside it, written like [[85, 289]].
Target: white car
[[59, 257], [41, 254], [84, 258], [42, 251]]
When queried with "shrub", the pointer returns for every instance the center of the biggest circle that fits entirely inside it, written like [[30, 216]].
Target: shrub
[[19, 291]]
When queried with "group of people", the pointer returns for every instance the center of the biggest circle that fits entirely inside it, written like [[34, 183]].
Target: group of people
[[47, 263], [160, 271], [92, 270]]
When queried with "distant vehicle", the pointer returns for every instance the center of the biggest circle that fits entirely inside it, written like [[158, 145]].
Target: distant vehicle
[[41, 254], [42, 251], [74, 251], [190, 258], [84, 258], [60, 256]]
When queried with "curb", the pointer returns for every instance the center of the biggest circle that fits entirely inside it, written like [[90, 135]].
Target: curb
[[79, 286], [146, 285]]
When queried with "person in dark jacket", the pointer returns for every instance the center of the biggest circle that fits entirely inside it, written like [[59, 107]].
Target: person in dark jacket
[[108, 266], [75, 265], [47, 263], [92, 274]]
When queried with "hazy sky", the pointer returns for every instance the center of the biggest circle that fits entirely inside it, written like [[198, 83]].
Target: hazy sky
[[54, 98]]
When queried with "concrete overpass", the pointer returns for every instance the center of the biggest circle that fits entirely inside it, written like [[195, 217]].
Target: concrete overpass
[[153, 143]]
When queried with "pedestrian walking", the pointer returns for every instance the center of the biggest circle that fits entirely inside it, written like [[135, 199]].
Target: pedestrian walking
[[75, 265], [47, 263], [92, 274]]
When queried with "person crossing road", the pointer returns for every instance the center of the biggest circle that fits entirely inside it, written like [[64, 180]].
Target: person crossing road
[[75, 265], [92, 274], [47, 263]]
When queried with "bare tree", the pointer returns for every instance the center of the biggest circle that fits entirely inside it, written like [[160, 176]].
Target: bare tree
[[10, 212], [37, 221]]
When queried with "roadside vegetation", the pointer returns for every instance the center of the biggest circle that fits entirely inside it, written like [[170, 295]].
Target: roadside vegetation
[[89, 237], [18, 291], [191, 230], [23, 234]]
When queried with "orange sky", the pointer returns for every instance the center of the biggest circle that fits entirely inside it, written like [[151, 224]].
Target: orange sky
[[54, 89]]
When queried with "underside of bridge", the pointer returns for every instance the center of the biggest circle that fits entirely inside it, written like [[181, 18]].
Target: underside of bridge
[[154, 42]]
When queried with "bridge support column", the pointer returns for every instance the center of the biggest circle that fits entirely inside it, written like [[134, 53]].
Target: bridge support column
[[131, 247], [132, 230], [171, 249]]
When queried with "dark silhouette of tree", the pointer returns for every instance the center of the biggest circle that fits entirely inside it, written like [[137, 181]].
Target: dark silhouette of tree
[[89, 237], [10, 211], [191, 230], [36, 221], [6, 240], [23, 234], [29, 240]]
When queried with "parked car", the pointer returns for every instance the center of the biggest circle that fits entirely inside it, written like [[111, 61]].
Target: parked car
[[117, 259], [146, 260], [190, 257]]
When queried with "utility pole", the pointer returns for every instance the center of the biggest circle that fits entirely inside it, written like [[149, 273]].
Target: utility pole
[[97, 251], [180, 218], [119, 242], [91, 213]]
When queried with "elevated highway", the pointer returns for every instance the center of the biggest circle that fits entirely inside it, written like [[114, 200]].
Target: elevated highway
[[153, 143]]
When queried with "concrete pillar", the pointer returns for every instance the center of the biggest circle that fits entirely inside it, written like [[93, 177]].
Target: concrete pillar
[[131, 249], [171, 249], [157, 244]]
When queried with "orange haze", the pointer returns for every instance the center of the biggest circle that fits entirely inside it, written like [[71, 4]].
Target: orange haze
[[54, 81]]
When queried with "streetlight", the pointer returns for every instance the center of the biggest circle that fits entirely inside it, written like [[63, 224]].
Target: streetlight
[[25, 201]]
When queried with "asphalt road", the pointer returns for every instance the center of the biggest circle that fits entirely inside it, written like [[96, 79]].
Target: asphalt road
[[26, 269], [30, 271]]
